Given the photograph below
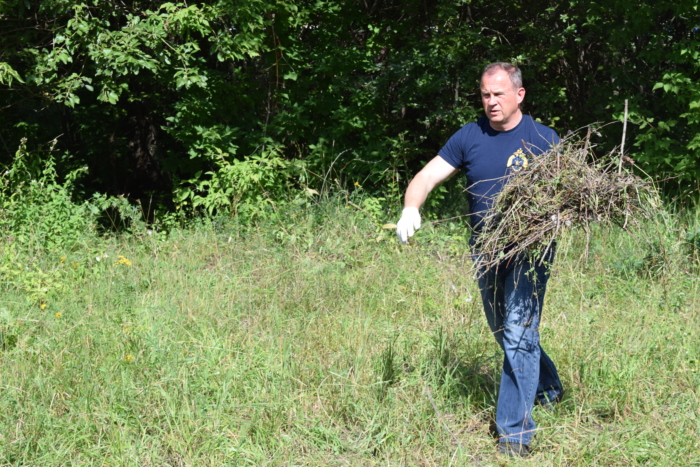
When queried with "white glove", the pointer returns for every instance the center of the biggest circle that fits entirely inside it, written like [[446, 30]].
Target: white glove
[[408, 224]]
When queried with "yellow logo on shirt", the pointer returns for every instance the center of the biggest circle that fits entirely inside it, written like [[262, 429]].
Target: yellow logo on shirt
[[518, 161]]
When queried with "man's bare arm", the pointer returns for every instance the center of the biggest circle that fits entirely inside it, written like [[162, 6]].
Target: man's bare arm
[[433, 174]]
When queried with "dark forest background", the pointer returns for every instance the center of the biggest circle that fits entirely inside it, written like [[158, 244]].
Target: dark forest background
[[227, 105]]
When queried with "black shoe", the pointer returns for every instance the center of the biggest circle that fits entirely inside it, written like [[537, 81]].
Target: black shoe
[[514, 449]]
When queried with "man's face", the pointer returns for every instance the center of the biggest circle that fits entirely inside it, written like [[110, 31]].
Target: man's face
[[501, 100]]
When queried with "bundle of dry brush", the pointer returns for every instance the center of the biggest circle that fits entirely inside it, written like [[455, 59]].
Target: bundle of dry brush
[[561, 189]]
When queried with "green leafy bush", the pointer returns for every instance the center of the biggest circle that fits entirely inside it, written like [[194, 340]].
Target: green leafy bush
[[37, 210], [250, 187]]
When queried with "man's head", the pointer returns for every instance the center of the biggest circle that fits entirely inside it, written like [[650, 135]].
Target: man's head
[[501, 93]]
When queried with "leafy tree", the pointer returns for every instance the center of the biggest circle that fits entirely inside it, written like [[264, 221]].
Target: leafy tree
[[222, 102]]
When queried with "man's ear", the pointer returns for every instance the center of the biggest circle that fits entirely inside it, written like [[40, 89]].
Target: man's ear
[[521, 95]]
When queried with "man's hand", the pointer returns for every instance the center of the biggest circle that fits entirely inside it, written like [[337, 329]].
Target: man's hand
[[434, 173], [408, 224]]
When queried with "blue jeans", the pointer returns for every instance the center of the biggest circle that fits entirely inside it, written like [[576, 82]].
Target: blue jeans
[[513, 295]]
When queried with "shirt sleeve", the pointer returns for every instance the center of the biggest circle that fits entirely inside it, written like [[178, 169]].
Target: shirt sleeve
[[453, 151]]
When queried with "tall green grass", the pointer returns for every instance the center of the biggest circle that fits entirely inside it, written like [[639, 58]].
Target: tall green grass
[[315, 339]]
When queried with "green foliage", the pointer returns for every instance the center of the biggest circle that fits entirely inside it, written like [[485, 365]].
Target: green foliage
[[678, 138], [40, 211], [249, 188], [250, 184], [149, 95], [36, 209], [7, 74]]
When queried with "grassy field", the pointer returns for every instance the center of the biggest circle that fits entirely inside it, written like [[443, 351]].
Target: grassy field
[[319, 341]]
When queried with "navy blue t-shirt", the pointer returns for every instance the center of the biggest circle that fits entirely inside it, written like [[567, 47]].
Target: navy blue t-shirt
[[488, 156]]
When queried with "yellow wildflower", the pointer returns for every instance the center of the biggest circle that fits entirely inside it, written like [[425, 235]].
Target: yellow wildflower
[[358, 185], [128, 358], [59, 315], [75, 265], [63, 259], [122, 260], [42, 306]]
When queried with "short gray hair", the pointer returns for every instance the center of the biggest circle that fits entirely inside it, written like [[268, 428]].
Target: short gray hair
[[516, 77]]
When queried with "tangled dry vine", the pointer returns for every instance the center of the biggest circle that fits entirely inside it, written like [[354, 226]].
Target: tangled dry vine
[[564, 188]]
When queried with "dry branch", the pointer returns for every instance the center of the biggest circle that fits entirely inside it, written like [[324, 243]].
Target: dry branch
[[561, 189]]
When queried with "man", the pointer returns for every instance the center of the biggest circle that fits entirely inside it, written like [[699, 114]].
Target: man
[[489, 150]]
